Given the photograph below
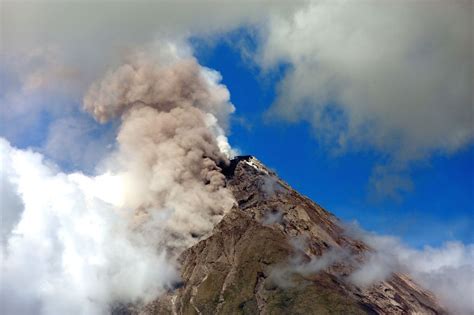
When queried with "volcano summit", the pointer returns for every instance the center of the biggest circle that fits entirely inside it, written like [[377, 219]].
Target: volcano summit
[[277, 252]]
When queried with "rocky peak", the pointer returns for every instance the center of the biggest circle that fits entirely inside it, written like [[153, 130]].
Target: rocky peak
[[260, 259]]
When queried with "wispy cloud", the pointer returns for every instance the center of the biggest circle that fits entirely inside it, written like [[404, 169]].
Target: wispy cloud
[[447, 270]]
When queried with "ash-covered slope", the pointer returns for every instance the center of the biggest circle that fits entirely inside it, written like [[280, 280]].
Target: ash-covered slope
[[264, 257]]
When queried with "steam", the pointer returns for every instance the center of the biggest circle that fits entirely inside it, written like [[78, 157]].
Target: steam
[[270, 186], [303, 264], [78, 244], [272, 216]]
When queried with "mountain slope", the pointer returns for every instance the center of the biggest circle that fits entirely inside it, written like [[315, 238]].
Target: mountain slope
[[278, 252]]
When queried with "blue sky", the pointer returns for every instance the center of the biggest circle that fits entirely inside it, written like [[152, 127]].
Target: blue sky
[[365, 108], [409, 81], [439, 208]]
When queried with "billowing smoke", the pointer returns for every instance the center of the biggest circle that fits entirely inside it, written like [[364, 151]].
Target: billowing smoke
[[78, 244], [170, 140]]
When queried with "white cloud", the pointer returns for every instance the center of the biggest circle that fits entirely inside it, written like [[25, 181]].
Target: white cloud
[[398, 78], [12, 205], [72, 252], [115, 27], [52, 51], [394, 76], [82, 243], [447, 270]]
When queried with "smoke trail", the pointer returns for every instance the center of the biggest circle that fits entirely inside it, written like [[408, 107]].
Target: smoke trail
[[78, 244]]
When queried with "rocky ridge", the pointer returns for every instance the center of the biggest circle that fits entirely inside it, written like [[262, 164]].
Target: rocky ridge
[[260, 260]]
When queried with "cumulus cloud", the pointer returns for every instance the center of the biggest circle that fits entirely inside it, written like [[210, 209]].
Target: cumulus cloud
[[364, 75], [394, 76], [71, 249], [73, 243], [115, 28], [43, 22], [12, 204]]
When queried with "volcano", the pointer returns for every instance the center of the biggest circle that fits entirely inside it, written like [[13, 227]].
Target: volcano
[[260, 259]]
